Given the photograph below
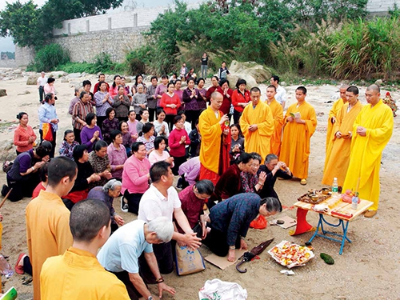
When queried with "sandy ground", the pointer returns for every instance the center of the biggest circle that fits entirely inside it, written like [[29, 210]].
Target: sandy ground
[[368, 269]]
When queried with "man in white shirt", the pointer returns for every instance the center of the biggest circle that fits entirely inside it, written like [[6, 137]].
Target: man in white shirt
[[131, 244], [42, 80], [161, 199], [280, 91]]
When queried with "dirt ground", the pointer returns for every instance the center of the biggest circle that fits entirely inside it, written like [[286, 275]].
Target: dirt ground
[[369, 267]]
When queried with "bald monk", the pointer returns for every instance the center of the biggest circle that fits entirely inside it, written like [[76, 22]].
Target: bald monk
[[337, 163], [215, 140], [337, 106], [277, 114], [300, 123], [257, 125], [372, 130]]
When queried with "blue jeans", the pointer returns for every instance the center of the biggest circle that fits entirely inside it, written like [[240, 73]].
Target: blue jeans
[[204, 71]]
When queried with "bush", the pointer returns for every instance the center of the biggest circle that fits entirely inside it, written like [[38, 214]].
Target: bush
[[49, 57]]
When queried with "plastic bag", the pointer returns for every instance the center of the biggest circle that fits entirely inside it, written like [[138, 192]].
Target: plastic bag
[[47, 132], [259, 223], [222, 290]]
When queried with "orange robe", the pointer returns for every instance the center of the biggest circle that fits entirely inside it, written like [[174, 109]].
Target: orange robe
[[257, 141], [47, 231], [214, 148], [338, 161], [295, 149], [366, 151], [277, 114], [337, 106]]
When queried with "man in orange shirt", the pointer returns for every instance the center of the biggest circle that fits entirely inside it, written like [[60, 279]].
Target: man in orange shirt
[[277, 114]]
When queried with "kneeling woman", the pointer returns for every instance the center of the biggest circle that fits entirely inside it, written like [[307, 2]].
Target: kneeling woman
[[230, 220]]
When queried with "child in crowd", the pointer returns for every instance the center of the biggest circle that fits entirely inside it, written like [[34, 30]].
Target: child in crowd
[[195, 140], [178, 139]]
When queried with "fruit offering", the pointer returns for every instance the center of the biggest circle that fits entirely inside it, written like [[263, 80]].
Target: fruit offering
[[291, 255]]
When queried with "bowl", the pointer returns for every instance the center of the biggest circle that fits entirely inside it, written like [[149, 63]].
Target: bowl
[[325, 191], [314, 198]]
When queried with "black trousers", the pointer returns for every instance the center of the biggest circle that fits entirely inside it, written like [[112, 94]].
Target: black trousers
[[133, 201], [165, 261], [192, 116], [216, 242], [170, 120], [236, 116], [77, 133], [100, 120], [41, 93], [22, 188], [152, 112], [177, 163], [53, 142]]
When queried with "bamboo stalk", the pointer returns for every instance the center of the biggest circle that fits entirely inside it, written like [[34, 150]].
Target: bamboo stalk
[[5, 198]]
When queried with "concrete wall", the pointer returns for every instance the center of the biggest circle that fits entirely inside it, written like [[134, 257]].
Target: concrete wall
[[24, 56], [381, 7], [8, 63]]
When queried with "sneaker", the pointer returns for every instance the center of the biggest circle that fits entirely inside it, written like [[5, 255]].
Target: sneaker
[[179, 184], [124, 206]]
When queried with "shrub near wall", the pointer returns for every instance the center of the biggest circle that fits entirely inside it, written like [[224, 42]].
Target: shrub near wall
[[49, 57]]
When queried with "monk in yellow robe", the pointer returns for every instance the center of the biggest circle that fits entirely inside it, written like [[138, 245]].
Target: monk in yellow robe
[[277, 114], [257, 125], [215, 140], [300, 123], [338, 161], [372, 130], [337, 106], [47, 218]]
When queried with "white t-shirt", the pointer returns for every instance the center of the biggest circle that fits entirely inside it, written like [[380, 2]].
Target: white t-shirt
[[153, 204], [122, 250], [42, 80], [280, 94]]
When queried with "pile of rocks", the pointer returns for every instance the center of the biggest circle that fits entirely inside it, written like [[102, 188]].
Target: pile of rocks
[[252, 72]]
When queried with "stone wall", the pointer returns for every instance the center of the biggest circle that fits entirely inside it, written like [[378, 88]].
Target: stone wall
[[8, 63], [381, 7], [24, 56]]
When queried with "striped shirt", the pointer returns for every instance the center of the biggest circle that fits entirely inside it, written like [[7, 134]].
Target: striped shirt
[[80, 112]]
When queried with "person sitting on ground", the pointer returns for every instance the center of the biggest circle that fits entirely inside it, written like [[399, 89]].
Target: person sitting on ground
[[85, 176], [116, 154], [189, 172], [135, 178], [147, 137], [100, 163], [23, 176], [121, 104], [68, 144], [230, 220], [159, 153], [274, 169], [24, 136], [193, 199], [43, 174], [109, 124], [106, 194], [91, 133], [161, 199], [160, 126], [129, 248], [77, 274], [251, 181], [230, 182], [178, 139]]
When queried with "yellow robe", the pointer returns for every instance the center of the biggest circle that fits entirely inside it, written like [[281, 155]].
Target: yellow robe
[[78, 275], [257, 141], [337, 106], [295, 149], [210, 131], [338, 160], [277, 114], [366, 151], [47, 231]]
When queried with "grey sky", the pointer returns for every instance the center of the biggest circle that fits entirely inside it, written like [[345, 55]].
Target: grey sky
[[6, 44]]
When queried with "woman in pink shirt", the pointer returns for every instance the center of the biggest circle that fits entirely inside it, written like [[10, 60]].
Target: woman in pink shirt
[[159, 153], [24, 136], [114, 87], [178, 138], [135, 178], [49, 86], [170, 102]]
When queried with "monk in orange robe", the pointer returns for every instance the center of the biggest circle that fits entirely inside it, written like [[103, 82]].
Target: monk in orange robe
[[215, 140], [337, 106], [277, 114], [338, 160], [47, 218], [300, 123], [257, 125]]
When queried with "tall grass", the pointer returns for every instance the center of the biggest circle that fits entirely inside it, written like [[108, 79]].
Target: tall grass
[[49, 57]]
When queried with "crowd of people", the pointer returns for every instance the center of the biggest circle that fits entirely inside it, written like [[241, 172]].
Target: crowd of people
[[131, 143]]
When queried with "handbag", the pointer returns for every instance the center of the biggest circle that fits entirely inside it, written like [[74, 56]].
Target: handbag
[[188, 261], [47, 132]]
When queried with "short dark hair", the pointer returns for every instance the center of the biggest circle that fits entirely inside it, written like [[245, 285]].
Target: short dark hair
[[78, 151], [271, 87], [276, 78], [303, 89], [170, 83], [181, 112], [89, 118], [353, 89], [200, 79], [177, 119], [87, 218], [222, 81], [164, 76], [48, 97], [159, 111], [153, 77], [216, 77], [115, 77], [159, 169], [272, 204], [43, 149], [190, 79], [108, 111], [101, 74], [244, 158], [270, 157], [158, 141], [86, 82], [204, 186], [60, 167], [141, 112], [255, 155], [239, 82], [99, 144], [238, 128], [255, 89], [120, 125], [135, 146], [43, 172], [50, 80], [83, 93], [68, 131], [21, 114], [114, 133], [147, 127]]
